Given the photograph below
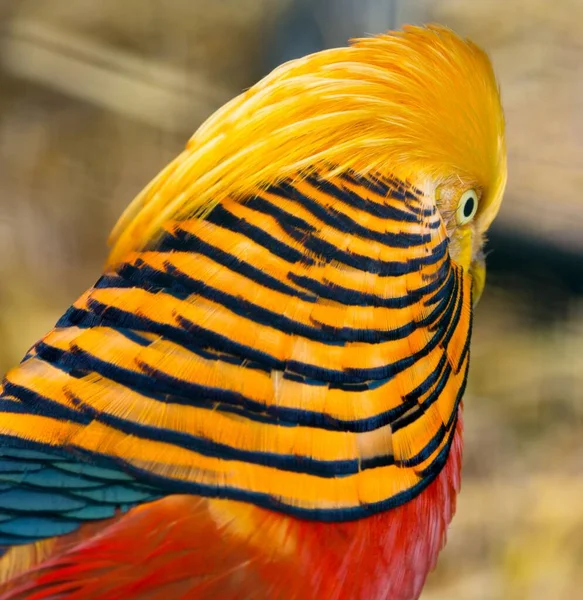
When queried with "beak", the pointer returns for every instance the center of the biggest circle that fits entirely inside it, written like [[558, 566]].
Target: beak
[[478, 273]]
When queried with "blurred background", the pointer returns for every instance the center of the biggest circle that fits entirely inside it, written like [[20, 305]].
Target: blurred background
[[96, 97]]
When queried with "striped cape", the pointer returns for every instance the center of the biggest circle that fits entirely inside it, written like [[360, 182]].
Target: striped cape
[[305, 349]]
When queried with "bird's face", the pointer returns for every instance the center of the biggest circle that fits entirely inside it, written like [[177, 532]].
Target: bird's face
[[462, 204], [459, 204]]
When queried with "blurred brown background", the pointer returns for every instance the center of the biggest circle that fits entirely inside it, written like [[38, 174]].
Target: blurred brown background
[[97, 96]]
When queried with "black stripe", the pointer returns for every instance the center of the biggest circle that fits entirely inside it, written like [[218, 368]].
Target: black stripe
[[426, 451], [412, 416], [162, 387], [388, 371], [183, 241], [405, 191], [428, 382], [110, 280], [352, 199], [194, 335], [392, 188], [351, 375], [204, 339], [181, 286], [334, 218], [37, 404], [456, 317], [9, 444], [430, 320], [442, 431], [216, 340], [148, 382], [116, 320], [174, 486], [446, 316], [301, 379], [421, 409], [223, 218], [444, 287], [450, 426], [349, 297], [84, 319], [11, 406], [283, 217], [78, 317], [330, 253], [466, 349], [383, 460], [170, 486], [293, 463], [134, 336], [435, 382], [286, 415], [79, 363]]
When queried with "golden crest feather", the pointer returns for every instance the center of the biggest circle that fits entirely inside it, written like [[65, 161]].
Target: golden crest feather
[[420, 102]]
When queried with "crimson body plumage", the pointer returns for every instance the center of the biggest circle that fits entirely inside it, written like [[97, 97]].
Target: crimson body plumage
[[261, 396]]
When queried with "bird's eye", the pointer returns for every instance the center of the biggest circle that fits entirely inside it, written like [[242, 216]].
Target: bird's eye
[[467, 207]]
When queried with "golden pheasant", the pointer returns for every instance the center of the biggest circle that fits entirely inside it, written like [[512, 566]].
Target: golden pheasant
[[261, 396]]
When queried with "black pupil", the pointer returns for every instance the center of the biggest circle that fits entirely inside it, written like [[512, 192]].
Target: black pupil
[[469, 207]]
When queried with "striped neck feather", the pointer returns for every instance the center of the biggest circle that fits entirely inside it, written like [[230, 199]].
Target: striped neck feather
[[305, 349]]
